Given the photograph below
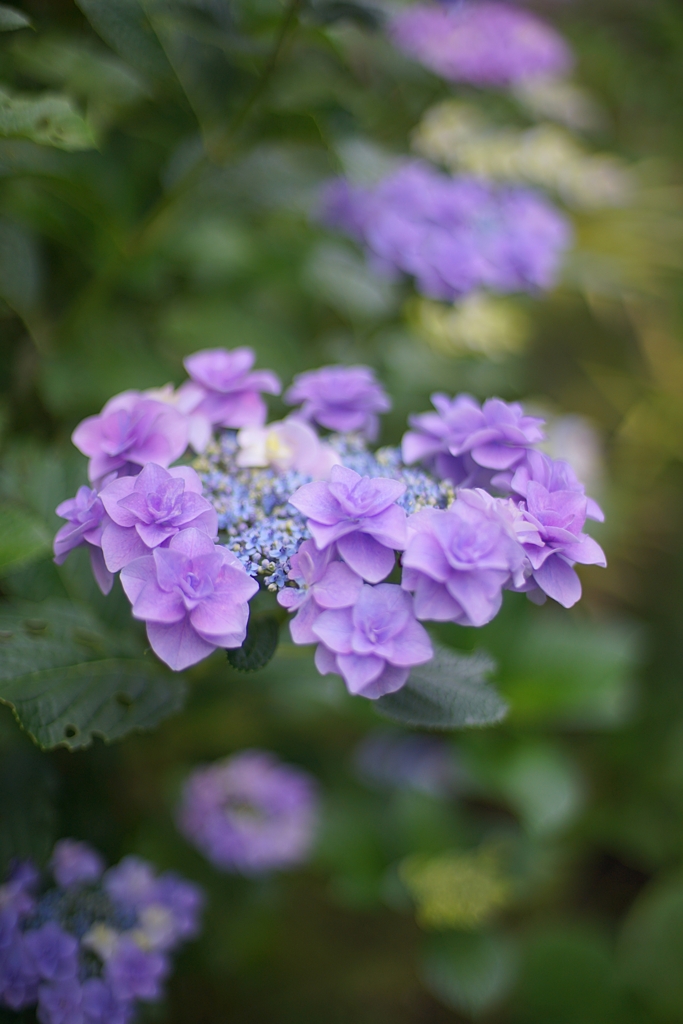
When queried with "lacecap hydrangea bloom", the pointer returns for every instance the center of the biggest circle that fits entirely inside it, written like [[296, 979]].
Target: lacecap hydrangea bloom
[[483, 43], [249, 813], [87, 945], [361, 547], [454, 235]]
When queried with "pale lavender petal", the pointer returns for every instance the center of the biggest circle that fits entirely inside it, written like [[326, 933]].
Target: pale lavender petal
[[156, 605], [112, 494], [411, 647], [326, 661], [389, 681], [178, 645], [219, 616], [432, 602], [340, 587], [558, 580], [389, 527], [335, 628], [586, 550], [120, 546], [359, 670], [315, 502], [136, 575], [301, 626], [426, 554], [103, 577], [192, 543], [193, 484], [366, 556], [153, 535]]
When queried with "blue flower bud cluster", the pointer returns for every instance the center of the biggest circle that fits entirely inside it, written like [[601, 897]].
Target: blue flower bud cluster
[[256, 519], [86, 945]]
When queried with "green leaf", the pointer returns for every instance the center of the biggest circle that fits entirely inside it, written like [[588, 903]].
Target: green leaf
[[28, 815], [124, 25], [651, 948], [20, 269], [23, 537], [11, 19], [449, 692], [469, 972], [67, 681], [259, 645], [49, 119]]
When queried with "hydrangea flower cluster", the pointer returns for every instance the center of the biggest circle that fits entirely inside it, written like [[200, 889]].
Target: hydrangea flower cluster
[[249, 813], [483, 43], [361, 547], [453, 235], [88, 948]]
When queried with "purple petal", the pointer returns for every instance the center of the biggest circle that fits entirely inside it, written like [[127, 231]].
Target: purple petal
[[559, 581], [340, 587], [178, 645], [136, 575], [426, 554], [103, 577], [192, 543], [315, 502], [219, 617], [411, 647], [390, 680], [431, 600], [120, 546], [359, 670], [325, 660], [156, 605], [301, 626], [367, 556], [389, 527], [153, 535], [335, 628], [586, 551], [115, 492]]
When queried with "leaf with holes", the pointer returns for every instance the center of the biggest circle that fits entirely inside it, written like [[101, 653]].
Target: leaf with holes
[[67, 681], [48, 119], [11, 19], [23, 536], [449, 692]]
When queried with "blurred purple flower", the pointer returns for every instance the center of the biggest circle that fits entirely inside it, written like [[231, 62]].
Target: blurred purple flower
[[61, 1003], [360, 515], [131, 431], [323, 582], [18, 976], [75, 863], [486, 44], [453, 235], [224, 390], [342, 398], [458, 561], [145, 511], [406, 761], [250, 813], [462, 438], [554, 475], [131, 882], [193, 596], [135, 973], [559, 517], [100, 1005], [86, 519], [54, 952], [374, 644]]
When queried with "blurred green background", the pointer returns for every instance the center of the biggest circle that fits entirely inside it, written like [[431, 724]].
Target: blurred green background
[[158, 200]]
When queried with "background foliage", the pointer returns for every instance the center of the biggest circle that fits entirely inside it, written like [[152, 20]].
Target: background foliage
[[158, 162]]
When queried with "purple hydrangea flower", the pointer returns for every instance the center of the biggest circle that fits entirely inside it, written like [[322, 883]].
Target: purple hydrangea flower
[[193, 596], [86, 518], [183, 900], [374, 644], [360, 515], [250, 813], [145, 511], [135, 973], [558, 517], [458, 561], [341, 398], [453, 235], [75, 863], [554, 475], [100, 1005], [61, 1003], [463, 438], [486, 44], [18, 975], [54, 952], [131, 431], [323, 582], [225, 390], [131, 882]]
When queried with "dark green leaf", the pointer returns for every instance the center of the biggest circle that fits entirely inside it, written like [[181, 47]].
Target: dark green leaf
[[259, 646], [11, 19], [124, 25], [23, 536], [27, 811], [449, 692], [327, 12], [67, 682], [49, 119]]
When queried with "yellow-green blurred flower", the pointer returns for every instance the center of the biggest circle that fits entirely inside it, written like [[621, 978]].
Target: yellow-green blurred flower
[[457, 890], [479, 323]]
